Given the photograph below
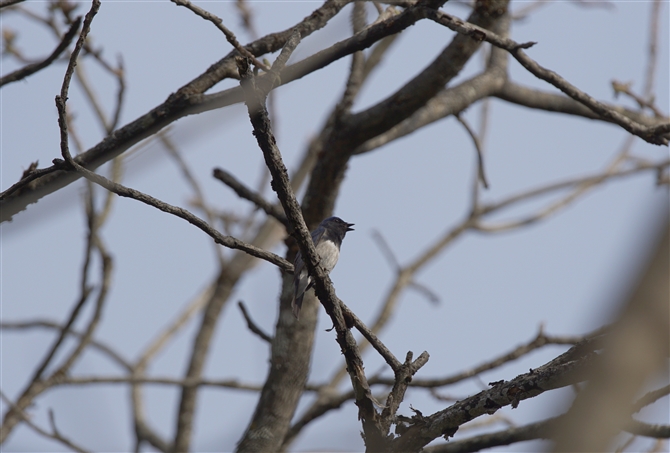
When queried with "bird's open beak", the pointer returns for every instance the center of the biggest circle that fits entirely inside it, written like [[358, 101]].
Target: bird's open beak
[[349, 225]]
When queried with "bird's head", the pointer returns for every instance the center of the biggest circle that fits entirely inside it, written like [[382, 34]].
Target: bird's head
[[337, 224]]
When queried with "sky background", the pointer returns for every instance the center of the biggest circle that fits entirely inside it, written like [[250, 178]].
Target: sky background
[[568, 272]]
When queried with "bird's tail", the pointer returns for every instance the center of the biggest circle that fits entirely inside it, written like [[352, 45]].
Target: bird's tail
[[296, 305]]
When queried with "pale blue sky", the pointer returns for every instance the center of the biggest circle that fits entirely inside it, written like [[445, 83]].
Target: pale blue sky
[[567, 272]]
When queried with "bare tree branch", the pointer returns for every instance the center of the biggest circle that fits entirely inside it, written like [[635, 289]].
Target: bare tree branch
[[218, 22], [651, 135], [567, 369], [21, 194], [35, 67], [329, 400], [6, 3], [252, 325], [248, 194], [54, 435], [538, 430], [227, 241], [539, 341], [255, 103], [156, 380], [424, 99], [537, 99], [650, 398], [103, 348], [478, 148]]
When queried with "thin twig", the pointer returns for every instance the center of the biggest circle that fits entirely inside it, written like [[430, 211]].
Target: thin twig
[[650, 75], [386, 250], [54, 435], [357, 69], [550, 209], [244, 192], [135, 380], [218, 22], [625, 88], [252, 325], [105, 349], [33, 68], [478, 148], [569, 183], [650, 398], [193, 182], [227, 241], [369, 335], [120, 95]]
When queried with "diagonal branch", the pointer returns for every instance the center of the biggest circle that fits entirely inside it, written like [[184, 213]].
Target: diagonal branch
[[5, 3], [651, 135], [478, 148], [248, 194], [48, 180], [54, 435], [218, 22], [538, 430], [103, 348], [567, 369], [540, 340], [280, 183], [35, 67], [226, 241], [252, 325]]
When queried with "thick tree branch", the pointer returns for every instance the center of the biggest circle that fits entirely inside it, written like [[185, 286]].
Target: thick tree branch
[[178, 105], [328, 400], [554, 102], [539, 341], [567, 369], [5, 3], [538, 430], [189, 100], [371, 122], [375, 436], [651, 135], [339, 144], [280, 183]]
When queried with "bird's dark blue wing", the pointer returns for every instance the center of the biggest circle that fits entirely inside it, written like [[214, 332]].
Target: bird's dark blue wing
[[317, 235], [301, 280]]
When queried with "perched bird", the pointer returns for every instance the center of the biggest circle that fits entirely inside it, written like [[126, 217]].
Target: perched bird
[[327, 238]]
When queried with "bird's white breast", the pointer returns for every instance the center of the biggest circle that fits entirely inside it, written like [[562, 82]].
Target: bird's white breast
[[329, 254]]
